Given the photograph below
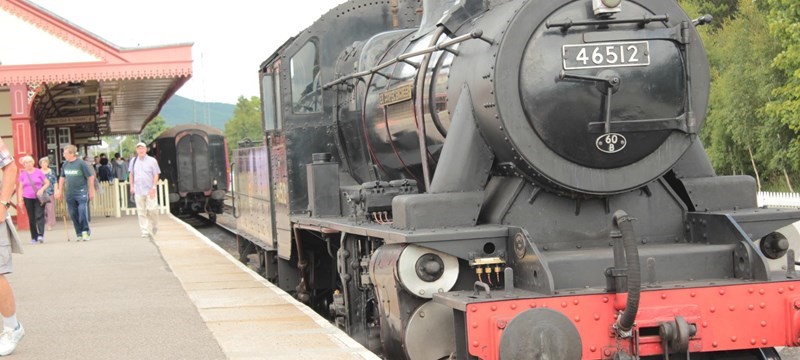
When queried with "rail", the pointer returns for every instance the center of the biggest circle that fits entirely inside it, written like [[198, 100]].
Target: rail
[[114, 199]]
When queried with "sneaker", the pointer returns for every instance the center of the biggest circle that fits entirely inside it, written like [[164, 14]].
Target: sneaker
[[145, 235], [9, 339], [33, 241], [85, 236], [40, 239]]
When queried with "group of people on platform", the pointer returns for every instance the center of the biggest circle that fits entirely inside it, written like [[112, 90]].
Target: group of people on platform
[[36, 188], [77, 184], [110, 169]]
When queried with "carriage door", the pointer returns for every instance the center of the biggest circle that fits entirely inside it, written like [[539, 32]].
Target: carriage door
[[193, 171]]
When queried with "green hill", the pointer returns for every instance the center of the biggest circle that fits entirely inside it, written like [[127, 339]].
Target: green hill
[[180, 110]]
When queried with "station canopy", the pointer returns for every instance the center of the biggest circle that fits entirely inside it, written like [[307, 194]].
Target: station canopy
[[78, 79]]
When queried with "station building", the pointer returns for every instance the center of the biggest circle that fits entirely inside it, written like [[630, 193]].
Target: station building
[[61, 84]]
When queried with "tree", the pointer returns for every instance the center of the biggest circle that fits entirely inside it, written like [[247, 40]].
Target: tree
[[153, 129], [784, 25], [753, 118], [245, 123], [128, 147], [149, 133], [115, 144], [721, 10], [740, 136]]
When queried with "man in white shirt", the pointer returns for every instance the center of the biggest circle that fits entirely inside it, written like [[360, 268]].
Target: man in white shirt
[[143, 173]]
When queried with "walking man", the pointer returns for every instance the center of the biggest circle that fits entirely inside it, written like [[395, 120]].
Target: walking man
[[143, 173], [12, 329], [78, 177]]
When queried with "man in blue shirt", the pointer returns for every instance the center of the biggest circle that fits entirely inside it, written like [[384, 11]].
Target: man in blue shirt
[[144, 172], [78, 177]]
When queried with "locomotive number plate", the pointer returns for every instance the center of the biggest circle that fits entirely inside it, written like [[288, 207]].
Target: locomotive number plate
[[605, 55]]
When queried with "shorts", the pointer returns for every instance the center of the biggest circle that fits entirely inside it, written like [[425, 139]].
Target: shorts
[[6, 266]]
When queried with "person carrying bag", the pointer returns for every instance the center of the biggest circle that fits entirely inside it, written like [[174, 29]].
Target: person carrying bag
[[32, 184], [42, 196]]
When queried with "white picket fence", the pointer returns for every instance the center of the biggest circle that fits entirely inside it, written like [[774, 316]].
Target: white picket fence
[[113, 199], [778, 199]]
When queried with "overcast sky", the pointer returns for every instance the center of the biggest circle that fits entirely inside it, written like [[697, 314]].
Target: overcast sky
[[231, 38]]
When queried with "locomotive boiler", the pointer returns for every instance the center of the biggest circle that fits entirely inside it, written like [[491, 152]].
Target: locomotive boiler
[[194, 160], [512, 179]]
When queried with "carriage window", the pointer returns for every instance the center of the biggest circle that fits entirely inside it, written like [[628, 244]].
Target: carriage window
[[268, 102], [306, 90]]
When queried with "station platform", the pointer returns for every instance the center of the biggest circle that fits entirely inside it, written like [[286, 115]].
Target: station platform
[[178, 296]]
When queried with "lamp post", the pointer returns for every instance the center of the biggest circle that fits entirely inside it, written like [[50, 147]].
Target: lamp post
[[120, 139]]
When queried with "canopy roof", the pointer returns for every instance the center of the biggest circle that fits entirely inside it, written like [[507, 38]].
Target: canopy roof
[[79, 78]]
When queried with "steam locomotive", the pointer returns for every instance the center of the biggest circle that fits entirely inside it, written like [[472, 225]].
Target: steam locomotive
[[194, 160], [511, 179]]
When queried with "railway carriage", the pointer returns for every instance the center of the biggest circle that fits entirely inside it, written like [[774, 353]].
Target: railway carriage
[[194, 159]]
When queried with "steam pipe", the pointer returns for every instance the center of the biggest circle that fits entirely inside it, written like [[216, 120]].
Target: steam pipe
[[482, 285], [419, 112], [624, 222], [476, 34]]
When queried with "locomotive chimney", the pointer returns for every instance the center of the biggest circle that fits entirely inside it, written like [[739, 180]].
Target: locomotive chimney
[[449, 13], [432, 11]]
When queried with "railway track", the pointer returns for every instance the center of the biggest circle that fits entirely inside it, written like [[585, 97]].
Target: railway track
[[218, 234]]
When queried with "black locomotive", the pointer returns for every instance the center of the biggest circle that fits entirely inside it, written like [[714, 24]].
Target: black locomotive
[[512, 179], [194, 159]]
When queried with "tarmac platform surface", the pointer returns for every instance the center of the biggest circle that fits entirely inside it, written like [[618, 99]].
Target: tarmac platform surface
[[178, 296]]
